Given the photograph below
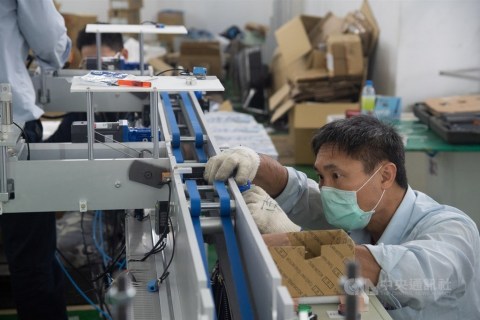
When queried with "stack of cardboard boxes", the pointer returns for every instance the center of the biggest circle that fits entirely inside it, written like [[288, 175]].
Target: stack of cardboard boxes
[[125, 11], [169, 17], [318, 69], [189, 52]]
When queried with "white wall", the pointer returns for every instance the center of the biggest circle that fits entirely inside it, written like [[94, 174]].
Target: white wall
[[418, 38], [435, 36]]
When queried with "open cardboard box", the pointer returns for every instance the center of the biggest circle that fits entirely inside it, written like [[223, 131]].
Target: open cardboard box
[[205, 54], [315, 262], [301, 71], [299, 43], [305, 118]]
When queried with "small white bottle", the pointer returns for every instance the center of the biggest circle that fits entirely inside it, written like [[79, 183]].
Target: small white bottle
[[367, 103]]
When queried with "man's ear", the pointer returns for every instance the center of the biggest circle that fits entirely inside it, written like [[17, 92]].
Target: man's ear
[[389, 173], [124, 53]]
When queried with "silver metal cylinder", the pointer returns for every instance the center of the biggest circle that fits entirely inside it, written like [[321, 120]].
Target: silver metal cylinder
[[3, 169], [90, 124], [6, 113], [98, 40], [6, 104], [141, 53], [212, 225], [154, 122]]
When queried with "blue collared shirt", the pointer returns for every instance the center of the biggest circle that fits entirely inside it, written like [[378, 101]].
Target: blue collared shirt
[[24, 25], [429, 253]]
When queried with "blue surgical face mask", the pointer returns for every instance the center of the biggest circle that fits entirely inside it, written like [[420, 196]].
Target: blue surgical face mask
[[341, 207]]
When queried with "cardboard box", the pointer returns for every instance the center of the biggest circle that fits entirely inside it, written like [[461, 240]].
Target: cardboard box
[[201, 54], [344, 55], [282, 72], [126, 4], [293, 37], [74, 23], [314, 263], [124, 16], [454, 104], [299, 38], [305, 119], [169, 17]]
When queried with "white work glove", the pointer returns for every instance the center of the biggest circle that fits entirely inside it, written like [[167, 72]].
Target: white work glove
[[266, 212], [242, 162]]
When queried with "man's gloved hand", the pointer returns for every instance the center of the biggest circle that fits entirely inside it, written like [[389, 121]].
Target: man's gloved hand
[[266, 212], [242, 162]]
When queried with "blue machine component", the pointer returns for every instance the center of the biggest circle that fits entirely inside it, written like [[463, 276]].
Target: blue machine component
[[233, 251], [124, 65], [197, 129], [245, 187], [200, 72], [152, 285], [140, 134], [195, 212], [177, 152]]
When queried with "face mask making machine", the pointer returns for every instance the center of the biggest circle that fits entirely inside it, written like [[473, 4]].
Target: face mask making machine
[[165, 178]]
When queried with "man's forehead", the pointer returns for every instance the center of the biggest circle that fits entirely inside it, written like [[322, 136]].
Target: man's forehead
[[330, 157]]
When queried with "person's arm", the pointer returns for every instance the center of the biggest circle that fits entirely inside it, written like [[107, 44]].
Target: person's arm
[[44, 30], [440, 261], [271, 176], [369, 268]]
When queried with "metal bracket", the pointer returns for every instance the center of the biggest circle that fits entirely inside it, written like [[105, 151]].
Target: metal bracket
[[148, 174], [82, 204]]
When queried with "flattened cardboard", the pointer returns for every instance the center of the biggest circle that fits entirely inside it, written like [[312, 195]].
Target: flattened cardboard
[[282, 109], [454, 104], [314, 263], [278, 97]]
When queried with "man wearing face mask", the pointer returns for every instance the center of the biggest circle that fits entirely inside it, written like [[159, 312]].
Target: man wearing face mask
[[423, 257], [112, 45]]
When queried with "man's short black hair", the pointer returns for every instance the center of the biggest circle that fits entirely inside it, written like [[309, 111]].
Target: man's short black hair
[[112, 40], [367, 139]]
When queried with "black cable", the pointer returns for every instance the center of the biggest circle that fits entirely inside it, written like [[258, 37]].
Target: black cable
[[161, 243], [157, 24], [184, 72], [165, 271], [44, 116], [111, 266], [26, 140]]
